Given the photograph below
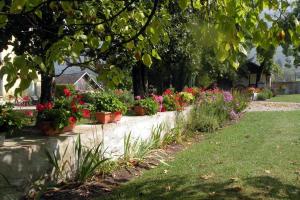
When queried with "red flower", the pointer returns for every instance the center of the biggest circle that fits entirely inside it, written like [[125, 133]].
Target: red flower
[[40, 107], [81, 102], [72, 120], [168, 92], [48, 105], [67, 92], [86, 113], [163, 109], [79, 96], [29, 113]]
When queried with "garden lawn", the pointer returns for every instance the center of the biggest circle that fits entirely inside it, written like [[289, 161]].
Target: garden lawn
[[257, 158], [287, 98]]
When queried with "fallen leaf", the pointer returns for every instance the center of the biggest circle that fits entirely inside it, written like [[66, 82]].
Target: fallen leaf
[[206, 177], [166, 171], [234, 179], [268, 171], [168, 188]]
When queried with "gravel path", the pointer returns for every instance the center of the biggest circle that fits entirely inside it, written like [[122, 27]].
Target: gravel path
[[272, 106]]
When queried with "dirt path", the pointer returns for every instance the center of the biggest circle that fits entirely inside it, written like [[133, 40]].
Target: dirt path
[[272, 106]]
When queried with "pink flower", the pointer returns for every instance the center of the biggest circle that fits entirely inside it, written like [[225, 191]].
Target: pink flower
[[137, 98], [227, 96]]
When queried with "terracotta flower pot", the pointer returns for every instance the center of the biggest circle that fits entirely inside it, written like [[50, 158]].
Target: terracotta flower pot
[[48, 129], [104, 117], [117, 116], [139, 110]]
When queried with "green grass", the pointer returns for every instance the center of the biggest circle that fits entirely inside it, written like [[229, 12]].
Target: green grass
[[287, 98], [257, 158]]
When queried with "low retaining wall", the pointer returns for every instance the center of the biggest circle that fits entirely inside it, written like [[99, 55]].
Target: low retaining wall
[[23, 160]]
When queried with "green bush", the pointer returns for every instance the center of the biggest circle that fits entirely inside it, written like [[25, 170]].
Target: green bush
[[149, 104], [265, 94]]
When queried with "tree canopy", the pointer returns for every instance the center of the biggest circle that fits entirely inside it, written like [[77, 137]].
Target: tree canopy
[[86, 33]]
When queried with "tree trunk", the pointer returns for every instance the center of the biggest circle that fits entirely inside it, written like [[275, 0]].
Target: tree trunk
[[47, 88], [259, 73], [139, 80]]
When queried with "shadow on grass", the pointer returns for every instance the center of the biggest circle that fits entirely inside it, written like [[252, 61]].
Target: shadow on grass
[[261, 187]]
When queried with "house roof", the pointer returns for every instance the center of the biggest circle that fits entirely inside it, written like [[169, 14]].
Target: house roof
[[69, 79]]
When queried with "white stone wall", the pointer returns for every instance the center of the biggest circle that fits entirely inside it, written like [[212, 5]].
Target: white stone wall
[[23, 160]]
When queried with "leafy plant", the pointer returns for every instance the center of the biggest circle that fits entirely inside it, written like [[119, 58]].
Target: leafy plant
[[107, 102], [11, 121], [169, 103], [186, 97], [149, 104], [88, 160]]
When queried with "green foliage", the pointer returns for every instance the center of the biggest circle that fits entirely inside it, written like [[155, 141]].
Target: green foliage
[[11, 121], [125, 97], [107, 102], [203, 118], [149, 104], [186, 97], [88, 160], [240, 101], [169, 103], [135, 149]]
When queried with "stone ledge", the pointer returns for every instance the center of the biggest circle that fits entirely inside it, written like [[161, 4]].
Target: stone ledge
[[23, 160]]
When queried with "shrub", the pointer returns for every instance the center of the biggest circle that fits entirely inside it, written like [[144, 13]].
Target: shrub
[[265, 94], [107, 102], [11, 121], [149, 104]]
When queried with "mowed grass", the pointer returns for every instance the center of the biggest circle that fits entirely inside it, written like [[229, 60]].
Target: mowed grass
[[257, 158], [295, 98]]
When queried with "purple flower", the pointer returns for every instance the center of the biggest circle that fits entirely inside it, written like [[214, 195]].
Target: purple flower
[[227, 96]]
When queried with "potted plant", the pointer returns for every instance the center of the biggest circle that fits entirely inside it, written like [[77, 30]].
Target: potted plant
[[147, 106], [62, 115], [108, 108], [186, 98]]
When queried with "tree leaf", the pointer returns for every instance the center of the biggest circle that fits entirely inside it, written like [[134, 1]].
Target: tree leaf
[[17, 6], [147, 60], [183, 4]]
